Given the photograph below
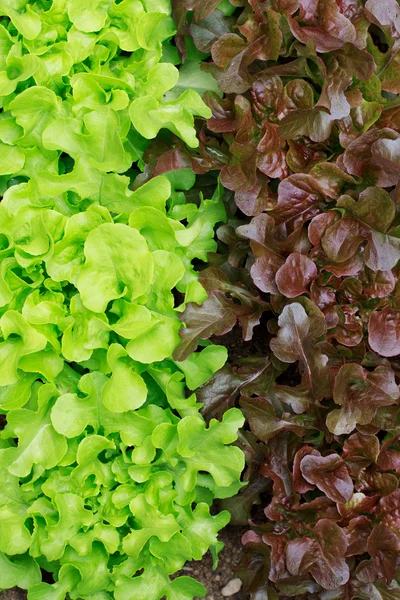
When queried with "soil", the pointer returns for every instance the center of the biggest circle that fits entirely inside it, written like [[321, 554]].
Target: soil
[[213, 581], [238, 348], [229, 558], [14, 594]]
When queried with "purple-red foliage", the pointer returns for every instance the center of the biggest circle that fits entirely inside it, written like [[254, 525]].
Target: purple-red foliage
[[307, 139]]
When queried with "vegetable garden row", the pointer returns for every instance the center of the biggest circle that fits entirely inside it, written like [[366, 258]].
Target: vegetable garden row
[[199, 297]]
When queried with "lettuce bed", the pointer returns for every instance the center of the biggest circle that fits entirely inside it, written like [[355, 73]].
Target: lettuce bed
[[107, 468], [307, 139]]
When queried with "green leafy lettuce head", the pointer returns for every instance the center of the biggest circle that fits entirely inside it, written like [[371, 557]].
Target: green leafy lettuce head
[[108, 470]]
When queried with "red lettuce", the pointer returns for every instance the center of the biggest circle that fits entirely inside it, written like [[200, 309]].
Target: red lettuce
[[306, 141]]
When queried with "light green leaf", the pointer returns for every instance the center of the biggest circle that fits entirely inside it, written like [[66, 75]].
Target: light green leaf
[[153, 584], [90, 16], [134, 319], [72, 414], [199, 367], [85, 332], [102, 143], [68, 578], [26, 21], [118, 264], [160, 79], [93, 569], [201, 528], [156, 227], [72, 515], [68, 256], [191, 77], [172, 383], [33, 110], [103, 451], [159, 341], [12, 159], [39, 443], [125, 390], [53, 67], [47, 362], [22, 571], [151, 522], [89, 183], [106, 534], [15, 537], [153, 28], [149, 116], [21, 339], [153, 193], [205, 449], [16, 395]]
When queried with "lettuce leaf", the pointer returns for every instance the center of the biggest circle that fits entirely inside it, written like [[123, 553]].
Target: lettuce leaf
[[101, 480]]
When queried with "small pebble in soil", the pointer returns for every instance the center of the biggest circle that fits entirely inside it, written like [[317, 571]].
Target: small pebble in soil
[[229, 558], [231, 588]]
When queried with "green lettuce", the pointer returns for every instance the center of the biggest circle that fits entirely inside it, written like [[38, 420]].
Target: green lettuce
[[108, 469]]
